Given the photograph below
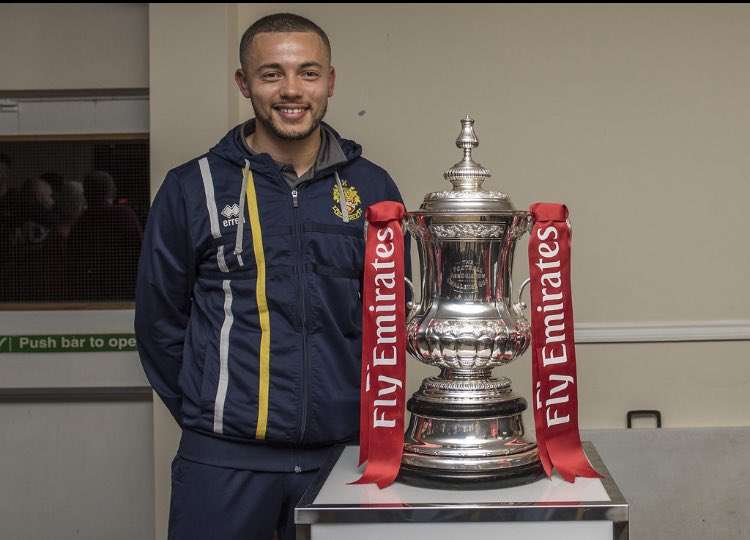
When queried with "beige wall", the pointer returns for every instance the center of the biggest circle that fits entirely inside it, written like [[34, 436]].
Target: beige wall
[[636, 117], [74, 46]]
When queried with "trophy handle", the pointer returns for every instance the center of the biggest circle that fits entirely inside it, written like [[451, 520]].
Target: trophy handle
[[520, 305], [410, 305], [524, 227]]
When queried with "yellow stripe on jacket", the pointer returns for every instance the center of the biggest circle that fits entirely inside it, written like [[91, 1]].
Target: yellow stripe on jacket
[[260, 295]]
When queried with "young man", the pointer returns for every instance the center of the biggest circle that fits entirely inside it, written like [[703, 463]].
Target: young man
[[248, 306]]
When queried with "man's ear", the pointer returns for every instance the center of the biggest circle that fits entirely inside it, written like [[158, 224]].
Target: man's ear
[[239, 78], [331, 81]]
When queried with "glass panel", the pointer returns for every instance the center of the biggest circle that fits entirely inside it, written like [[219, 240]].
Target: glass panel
[[72, 212]]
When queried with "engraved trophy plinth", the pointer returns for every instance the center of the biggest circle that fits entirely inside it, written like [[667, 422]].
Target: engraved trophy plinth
[[465, 428]]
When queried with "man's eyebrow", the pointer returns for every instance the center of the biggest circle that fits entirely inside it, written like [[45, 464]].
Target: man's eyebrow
[[269, 66], [276, 65]]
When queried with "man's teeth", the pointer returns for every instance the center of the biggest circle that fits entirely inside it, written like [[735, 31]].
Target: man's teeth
[[292, 111]]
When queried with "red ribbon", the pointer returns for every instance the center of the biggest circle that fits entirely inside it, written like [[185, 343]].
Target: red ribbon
[[381, 427], [553, 345]]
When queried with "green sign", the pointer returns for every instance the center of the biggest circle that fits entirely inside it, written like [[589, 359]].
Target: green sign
[[67, 343]]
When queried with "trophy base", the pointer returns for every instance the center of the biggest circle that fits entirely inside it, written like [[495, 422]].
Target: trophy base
[[468, 445], [450, 479]]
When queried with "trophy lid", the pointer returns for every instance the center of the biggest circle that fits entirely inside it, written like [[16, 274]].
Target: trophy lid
[[467, 176]]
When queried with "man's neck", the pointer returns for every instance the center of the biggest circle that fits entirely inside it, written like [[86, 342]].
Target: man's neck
[[300, 154]]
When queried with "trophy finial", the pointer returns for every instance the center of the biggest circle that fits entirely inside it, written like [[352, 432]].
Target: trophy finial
[[467, 174], [467, 138]]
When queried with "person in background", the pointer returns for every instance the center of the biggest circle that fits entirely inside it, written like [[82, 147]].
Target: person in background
[[35, 208], [29, 219], [70, 203], [104, 244], [33, 213]]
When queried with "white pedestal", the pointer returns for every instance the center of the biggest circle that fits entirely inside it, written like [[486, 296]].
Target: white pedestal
[[589, 509]]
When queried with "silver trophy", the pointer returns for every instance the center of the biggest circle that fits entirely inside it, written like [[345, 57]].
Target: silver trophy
[[465, 428]]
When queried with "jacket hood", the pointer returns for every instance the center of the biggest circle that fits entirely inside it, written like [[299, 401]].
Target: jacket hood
[[231, 148]]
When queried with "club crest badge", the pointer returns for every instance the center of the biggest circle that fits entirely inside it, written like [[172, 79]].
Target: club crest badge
[[353, 202]]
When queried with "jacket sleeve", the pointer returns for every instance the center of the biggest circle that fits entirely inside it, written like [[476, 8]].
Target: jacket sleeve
[[163, 291], [393, 194]]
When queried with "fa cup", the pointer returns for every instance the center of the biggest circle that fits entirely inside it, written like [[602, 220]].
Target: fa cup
[[465, 427]]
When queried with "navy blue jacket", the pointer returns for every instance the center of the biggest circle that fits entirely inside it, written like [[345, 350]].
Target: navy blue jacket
[[271, 362]]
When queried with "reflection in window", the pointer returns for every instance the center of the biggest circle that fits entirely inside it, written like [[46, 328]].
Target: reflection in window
[[72, 213]]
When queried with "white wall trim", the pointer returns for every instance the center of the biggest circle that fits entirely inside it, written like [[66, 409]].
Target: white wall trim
[[662, 331], [48, 322], [74, 115], [80, 321]]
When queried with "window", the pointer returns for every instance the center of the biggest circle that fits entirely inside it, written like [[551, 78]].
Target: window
[[72, 211]]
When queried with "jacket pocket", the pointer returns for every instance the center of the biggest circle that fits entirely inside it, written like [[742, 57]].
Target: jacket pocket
[[335, 304], [210, 375]]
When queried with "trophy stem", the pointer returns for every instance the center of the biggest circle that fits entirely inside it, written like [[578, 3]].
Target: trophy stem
[[466, 375]]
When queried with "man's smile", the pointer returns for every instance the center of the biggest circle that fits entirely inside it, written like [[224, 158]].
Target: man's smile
[[291, 112]]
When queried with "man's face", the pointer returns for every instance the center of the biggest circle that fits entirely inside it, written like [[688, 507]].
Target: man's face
[[288, 78]]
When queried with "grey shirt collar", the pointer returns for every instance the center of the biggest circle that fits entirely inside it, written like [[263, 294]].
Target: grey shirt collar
[[330, 154]]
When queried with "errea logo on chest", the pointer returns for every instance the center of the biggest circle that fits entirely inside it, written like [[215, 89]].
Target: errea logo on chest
[[231, 214]]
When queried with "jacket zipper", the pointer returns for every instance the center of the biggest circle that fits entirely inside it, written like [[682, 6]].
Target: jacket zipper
[[300, 277]]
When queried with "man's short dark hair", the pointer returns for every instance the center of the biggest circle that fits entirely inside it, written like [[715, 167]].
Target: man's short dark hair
[[280, 22]]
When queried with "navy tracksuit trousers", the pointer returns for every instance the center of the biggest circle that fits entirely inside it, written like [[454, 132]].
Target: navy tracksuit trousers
[[219, 503]]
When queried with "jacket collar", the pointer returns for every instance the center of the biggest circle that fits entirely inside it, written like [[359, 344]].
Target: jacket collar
[[232, 148]]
